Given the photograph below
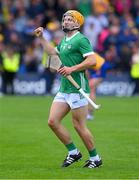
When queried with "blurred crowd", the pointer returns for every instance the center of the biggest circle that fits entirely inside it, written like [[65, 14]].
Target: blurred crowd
[[112, 27]]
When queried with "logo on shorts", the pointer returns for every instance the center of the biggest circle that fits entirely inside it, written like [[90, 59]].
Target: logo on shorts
[[74, 102]]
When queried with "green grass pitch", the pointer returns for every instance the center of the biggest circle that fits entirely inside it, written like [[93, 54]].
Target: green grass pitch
[[30, 150]]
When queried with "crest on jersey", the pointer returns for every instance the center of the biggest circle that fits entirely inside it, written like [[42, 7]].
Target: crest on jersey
[[69, 46]]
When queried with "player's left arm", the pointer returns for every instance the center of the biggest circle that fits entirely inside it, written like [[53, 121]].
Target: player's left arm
[[86, 64], [88, 56]]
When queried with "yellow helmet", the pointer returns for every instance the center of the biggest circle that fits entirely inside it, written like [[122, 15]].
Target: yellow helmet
[[76, 15]]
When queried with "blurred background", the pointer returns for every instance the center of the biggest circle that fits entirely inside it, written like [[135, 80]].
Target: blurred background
[[112, 26]]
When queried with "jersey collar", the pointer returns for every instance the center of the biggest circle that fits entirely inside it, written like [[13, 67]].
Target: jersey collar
[[69, 38]]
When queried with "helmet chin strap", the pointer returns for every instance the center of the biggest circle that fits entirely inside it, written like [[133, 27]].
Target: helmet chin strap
[[69, 30]]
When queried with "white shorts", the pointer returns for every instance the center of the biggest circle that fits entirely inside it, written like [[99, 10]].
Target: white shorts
[[74, 100]]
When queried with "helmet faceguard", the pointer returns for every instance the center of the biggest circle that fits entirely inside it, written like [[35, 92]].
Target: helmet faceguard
[[78, 20]]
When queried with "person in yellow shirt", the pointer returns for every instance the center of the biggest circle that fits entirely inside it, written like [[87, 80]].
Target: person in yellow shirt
[[10, 62], [135, 68]]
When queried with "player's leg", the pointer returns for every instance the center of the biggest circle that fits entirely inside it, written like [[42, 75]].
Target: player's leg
[[57, 113], [79, 121]]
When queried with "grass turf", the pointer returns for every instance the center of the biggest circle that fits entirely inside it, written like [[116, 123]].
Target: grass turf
[[29, 149]]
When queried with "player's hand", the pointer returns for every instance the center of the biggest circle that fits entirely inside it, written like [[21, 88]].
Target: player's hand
[[39, 31], [65, 71]]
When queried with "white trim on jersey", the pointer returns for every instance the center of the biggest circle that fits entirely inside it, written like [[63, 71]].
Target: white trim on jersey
[[82, 81], [56, 50], [87, 54]]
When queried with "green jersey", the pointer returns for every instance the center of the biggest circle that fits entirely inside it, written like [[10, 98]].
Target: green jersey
[[72, 51]]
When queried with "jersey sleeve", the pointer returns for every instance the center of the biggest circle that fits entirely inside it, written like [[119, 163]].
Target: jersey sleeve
[[85, 47]]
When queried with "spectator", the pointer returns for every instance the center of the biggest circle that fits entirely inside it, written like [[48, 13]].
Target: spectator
[[10, 65], [30, 60], [94, 24], [113, 38], [135, 68], [121, 6], [35, 8]]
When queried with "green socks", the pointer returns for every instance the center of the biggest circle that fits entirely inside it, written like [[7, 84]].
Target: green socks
[[73, 150], [70, 146], [93, 153]]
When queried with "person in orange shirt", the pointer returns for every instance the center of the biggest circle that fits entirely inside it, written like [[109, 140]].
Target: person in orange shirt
[[96, 76]]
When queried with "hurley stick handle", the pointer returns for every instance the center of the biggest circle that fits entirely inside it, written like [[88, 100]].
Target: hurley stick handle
[[69, 77]]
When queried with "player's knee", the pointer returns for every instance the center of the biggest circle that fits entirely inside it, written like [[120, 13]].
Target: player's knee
[[77, 126], [51, 123]]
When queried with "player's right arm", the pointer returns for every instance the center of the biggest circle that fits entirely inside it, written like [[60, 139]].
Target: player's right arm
[[47, 46]]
